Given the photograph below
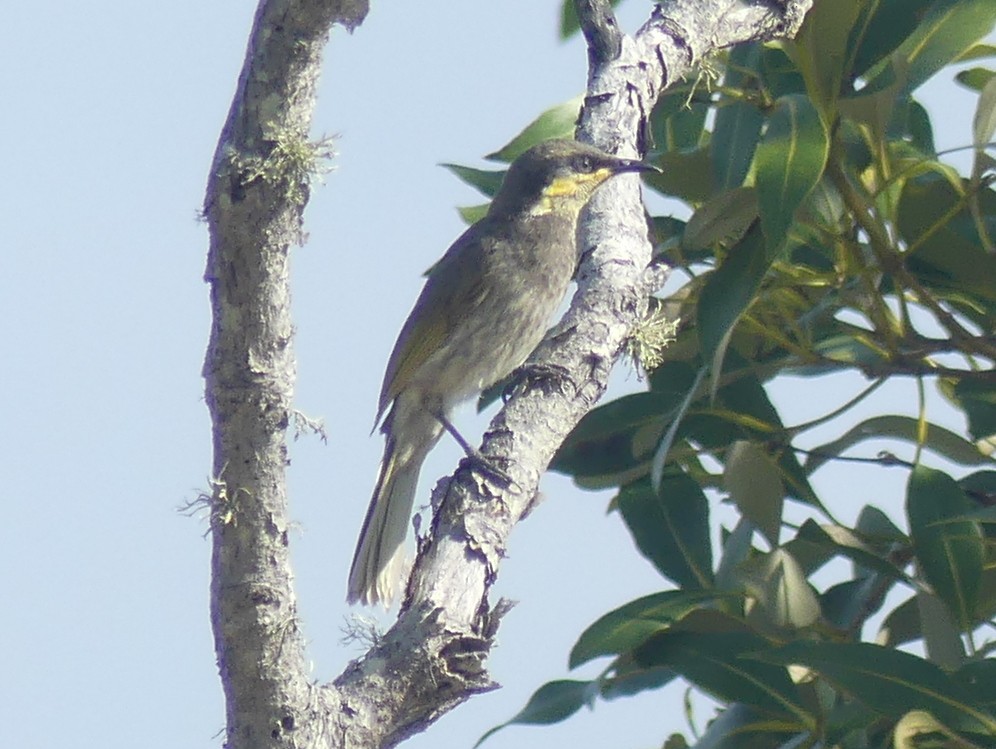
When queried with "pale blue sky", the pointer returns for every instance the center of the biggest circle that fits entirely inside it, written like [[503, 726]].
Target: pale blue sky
[[112, 114]]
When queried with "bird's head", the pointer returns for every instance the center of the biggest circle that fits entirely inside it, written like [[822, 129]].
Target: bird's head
[[558, 177]]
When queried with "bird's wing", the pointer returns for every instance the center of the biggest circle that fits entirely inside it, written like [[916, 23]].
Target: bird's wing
[[454, 286]]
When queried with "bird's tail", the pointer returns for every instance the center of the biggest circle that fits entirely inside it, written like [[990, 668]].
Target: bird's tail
[[378, 565]]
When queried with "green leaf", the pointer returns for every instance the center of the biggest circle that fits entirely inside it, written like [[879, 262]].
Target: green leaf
[[942, 639], [780, 75], [671, 527], [628, 679], [848, 604], [487, 181], [875, 525], [603, 443], [949, 29], [738, 727], [950, 552], [980, 486], [782, 596], [471, 214], [738, 122], [920, 130], [551, 703], [677, 121], [755, 485], [901, 626], [978, 678], [881, 29], [730, 289], [975, 78], [947, 253], [737, 547], [719, 662], [556, 122], [627, 627], [684, 174], [789, 162], [820, 51], [977, 398], [940, 440], [919, 728], [889, 681], [874, 107], [722, 220], [848, 544], [984, 120], [979, 51]]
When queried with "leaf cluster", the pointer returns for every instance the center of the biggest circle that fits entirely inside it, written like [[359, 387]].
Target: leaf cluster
[[826, 234]]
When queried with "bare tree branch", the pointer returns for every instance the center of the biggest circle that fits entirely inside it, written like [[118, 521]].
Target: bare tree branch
[[434, 657], [255, 196]]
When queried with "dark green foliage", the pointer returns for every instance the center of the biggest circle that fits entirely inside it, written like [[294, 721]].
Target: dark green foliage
[[826, 236]]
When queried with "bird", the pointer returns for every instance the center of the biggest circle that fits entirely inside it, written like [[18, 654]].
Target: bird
[[485, 306]]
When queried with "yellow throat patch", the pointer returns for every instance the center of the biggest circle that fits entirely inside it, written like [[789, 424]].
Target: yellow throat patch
[[570, 191]]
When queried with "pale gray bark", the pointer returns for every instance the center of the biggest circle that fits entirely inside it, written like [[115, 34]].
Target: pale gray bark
[[434, 657]]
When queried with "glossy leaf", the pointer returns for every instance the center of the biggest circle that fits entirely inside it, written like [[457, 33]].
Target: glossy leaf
[[975, 78], [471, 214], [677, 121], [820, 50], [781, 596], [919, 728], [604, 442], [984, 120], [628, 679], [977, 398], [848, 604], [789, 162], [551, 703], [485, 180], [889, 681], [737, 548], [940, 440], [629, 626], [875, 525], [755, 486], [738, 121], [901, 625], [950, 553], [556, 122], [671, 527], [947, 252], [948, 30], [881, 28], [722, 220], [684, 174], [978, 678], [780, 75], [730, 289], [738, 727], [720, 663], [844, 542]]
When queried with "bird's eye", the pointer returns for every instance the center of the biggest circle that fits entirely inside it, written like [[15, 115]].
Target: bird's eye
[[585, 165]]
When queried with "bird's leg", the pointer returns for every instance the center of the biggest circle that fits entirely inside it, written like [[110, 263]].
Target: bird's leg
[[473, 454], [467, 447]]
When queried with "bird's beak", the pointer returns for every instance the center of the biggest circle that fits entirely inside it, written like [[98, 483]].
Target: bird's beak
[[632, 165]]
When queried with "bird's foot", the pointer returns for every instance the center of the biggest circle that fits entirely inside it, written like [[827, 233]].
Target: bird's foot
[[475, 461]]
